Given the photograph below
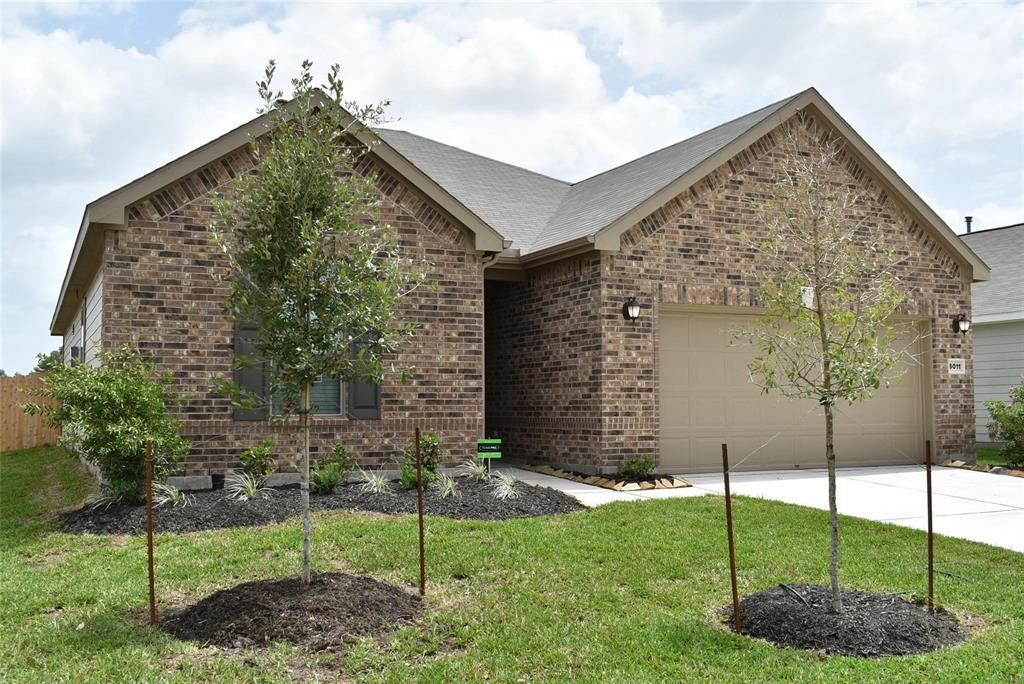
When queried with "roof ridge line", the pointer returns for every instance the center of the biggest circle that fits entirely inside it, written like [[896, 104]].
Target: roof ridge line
[[476, 154], [989, 230], [680, 142]]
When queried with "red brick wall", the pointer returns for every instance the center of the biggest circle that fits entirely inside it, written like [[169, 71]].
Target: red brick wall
[[162, 294], [543, 382], [689, 252]]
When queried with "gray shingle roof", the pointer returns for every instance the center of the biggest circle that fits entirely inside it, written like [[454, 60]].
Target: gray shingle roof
[[1003, 250], [515, 202], [535, 211]]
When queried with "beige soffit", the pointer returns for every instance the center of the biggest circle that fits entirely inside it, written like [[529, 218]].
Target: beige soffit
[[608, 238], [109, 211]]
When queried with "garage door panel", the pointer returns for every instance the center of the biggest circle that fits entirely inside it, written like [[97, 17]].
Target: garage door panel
[[743, 412], [707, 398], [709, 332], [707, 370], [708, 412]]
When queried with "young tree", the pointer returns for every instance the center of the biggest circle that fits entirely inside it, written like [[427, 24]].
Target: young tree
[[310, 259], [830, 291], [49, 362]]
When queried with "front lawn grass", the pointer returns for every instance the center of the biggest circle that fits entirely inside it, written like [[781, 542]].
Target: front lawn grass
[[989, 455], [625, 592]]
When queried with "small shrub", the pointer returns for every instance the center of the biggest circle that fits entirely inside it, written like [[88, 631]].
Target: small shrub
[[638, 468], [374, 483], [107, 414], [407, 476], [431, 455], [164, 494], [474, 469], [243, 486], [1008, 425], [324, 476], [331, 471], [431, 452], [446, 486], [259, 460], [504, 486], [346, 464]]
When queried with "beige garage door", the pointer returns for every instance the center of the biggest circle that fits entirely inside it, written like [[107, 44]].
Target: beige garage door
[[707, 398]]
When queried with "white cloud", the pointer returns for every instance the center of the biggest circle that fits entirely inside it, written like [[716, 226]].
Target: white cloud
[[566, 89]]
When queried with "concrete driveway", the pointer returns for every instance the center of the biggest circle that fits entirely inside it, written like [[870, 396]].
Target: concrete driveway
[[978, 506]]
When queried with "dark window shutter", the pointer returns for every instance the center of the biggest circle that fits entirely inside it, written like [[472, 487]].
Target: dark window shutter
[[363, 400], [251, 378]]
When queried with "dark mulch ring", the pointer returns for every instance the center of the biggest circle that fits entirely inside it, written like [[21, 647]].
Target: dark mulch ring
[[869, 626], [331, 611], [214, 510]]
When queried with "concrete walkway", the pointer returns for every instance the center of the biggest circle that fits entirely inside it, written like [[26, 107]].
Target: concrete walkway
[[978, 506]]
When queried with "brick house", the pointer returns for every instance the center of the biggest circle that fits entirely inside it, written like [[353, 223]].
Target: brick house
[[524, 335]]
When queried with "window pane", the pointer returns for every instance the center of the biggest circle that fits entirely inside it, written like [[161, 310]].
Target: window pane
[[327, 396]]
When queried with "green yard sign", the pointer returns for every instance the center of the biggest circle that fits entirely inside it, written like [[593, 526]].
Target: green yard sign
[[488, 448]]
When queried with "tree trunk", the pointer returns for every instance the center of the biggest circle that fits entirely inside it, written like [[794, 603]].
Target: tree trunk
[[833, 510], [307, 522], [827, 401]]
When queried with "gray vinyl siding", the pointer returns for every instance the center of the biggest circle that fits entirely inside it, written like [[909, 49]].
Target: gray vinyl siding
[[92, 338], [998, 366]]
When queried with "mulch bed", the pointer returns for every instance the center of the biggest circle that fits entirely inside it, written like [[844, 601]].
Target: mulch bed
[[869, 626], [331, 611], [214, 510]]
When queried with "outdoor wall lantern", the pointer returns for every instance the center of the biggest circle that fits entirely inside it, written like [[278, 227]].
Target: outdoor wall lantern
[[961, 324], [631, 309]]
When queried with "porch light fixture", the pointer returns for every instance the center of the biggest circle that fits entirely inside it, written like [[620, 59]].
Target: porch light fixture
[[631, 309], [961, 324]]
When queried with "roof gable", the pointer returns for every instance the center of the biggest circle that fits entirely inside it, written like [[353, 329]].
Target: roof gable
[[595, 212], [600, 200], [110, 210]]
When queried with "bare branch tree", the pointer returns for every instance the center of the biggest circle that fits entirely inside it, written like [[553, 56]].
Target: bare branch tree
[[830, 291]]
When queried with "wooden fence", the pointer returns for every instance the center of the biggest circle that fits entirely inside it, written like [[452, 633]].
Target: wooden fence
[[18, 430]]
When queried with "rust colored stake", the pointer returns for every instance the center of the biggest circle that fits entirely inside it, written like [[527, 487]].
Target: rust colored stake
[[931, 548], [419, 504], [149, 530], [732, 543]]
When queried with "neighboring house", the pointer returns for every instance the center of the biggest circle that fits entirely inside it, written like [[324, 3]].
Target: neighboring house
[[998, 323], [524, 334]]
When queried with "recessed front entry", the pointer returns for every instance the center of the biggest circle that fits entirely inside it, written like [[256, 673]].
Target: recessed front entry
[[707, 398]]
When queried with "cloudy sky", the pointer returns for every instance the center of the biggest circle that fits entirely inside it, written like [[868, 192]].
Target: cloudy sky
[[96, 94]]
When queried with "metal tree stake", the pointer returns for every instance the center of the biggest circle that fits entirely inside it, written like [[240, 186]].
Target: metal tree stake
[[732, 543], [149, 530], [419, 505], [931, 548]]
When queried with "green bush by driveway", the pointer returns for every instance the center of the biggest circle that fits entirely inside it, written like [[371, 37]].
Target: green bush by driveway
[[625, 592]]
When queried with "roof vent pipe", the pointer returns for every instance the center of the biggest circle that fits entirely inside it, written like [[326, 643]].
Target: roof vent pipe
[[967, 220]]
